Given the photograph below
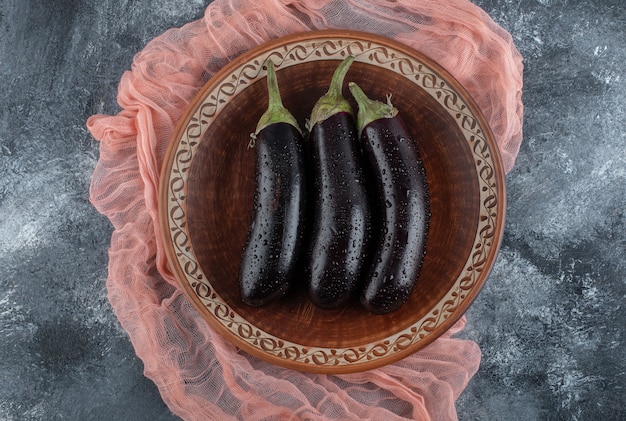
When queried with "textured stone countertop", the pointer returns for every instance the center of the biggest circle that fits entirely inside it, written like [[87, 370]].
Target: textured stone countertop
[[550, 320]]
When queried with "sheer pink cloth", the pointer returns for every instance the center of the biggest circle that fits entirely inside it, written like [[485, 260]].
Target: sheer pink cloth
[[201, 376]]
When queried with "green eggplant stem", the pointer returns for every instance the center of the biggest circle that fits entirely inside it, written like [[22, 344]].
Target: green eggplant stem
[[369, 109], [333, 102], [276, 111]]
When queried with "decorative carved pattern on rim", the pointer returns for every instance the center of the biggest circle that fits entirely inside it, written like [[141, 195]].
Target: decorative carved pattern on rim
[[289, 55]]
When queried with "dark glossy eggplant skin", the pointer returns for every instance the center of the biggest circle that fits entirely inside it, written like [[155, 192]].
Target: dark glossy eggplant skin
[[275, 238], [403, 212], [341, 217]]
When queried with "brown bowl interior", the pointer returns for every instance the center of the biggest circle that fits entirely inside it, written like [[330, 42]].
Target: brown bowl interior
[[220, 192]]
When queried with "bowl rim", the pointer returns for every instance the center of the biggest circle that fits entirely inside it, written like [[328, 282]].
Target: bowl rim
[[287, 357]]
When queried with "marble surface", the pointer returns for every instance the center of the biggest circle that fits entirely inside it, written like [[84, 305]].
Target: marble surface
[[550, 320]]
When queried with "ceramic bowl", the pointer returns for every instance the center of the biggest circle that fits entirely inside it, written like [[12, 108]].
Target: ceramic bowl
[[206, 198]]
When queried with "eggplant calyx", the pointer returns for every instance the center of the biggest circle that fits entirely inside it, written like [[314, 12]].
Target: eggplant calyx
[[276, 111], [369, 109], [333, 101]]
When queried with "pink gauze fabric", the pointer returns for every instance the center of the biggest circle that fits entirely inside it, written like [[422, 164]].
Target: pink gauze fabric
[[200, 375]]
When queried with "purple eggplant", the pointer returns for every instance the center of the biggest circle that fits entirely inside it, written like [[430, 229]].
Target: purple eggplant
[[275, 237], [341, 218], [402, 208]]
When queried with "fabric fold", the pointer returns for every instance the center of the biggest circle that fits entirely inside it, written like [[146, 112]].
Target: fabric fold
[[199, 374]]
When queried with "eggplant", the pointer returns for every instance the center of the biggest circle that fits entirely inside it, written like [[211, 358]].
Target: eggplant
[[340, 220], [403, 209], [275, 237]]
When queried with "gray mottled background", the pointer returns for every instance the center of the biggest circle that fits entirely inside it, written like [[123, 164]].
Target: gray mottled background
[[550, 320]]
